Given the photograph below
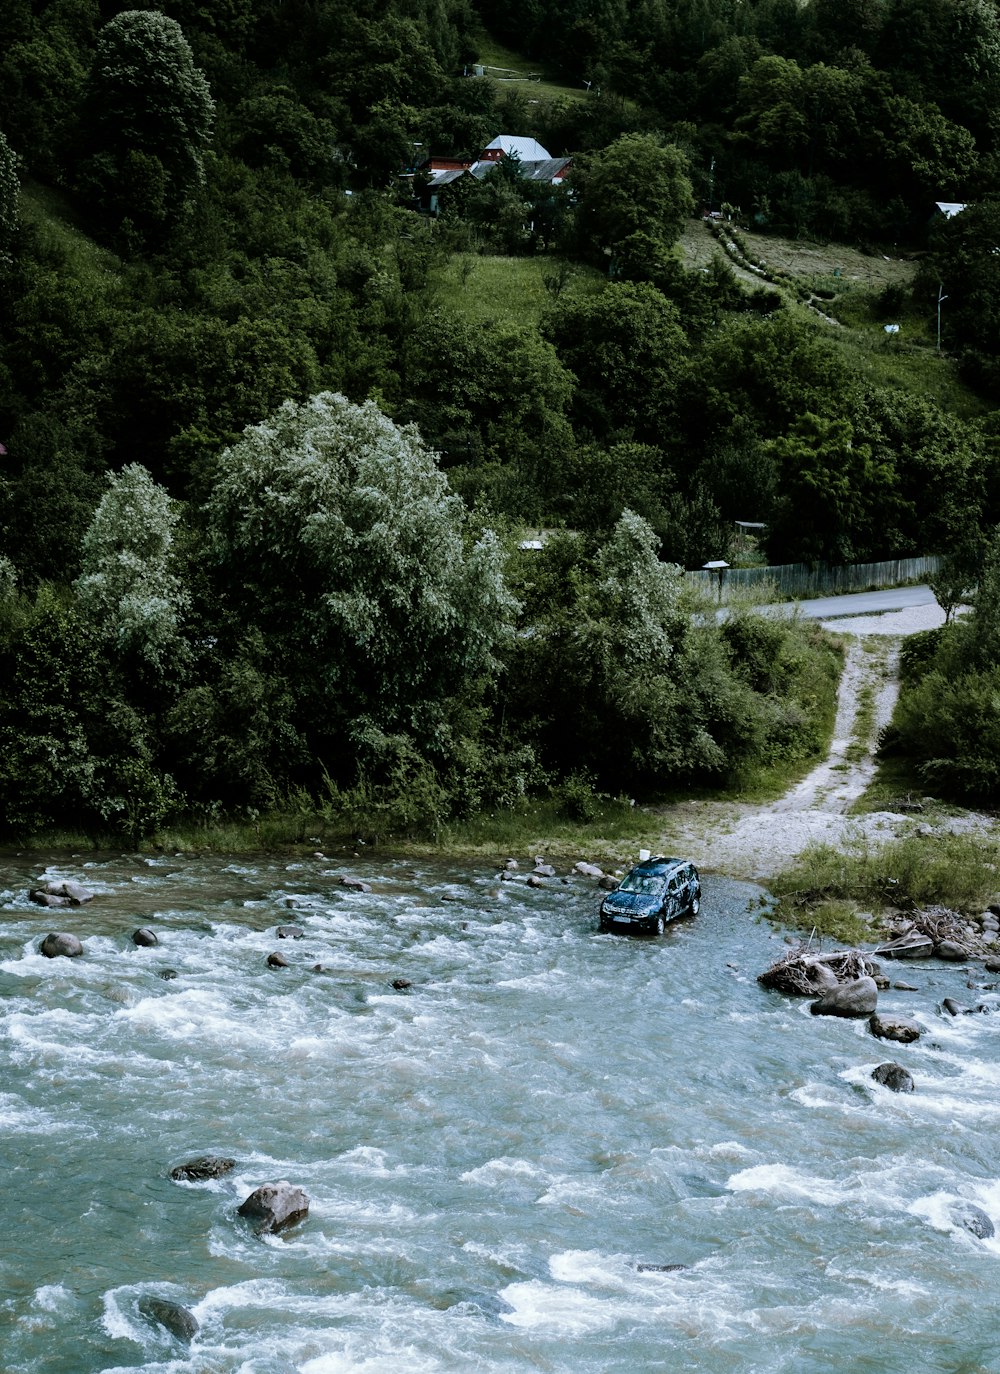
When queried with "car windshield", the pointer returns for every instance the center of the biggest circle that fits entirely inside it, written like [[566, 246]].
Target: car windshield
[[649, 883]]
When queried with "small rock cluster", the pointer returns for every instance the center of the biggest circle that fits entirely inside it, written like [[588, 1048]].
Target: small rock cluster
[[270, 1208], [509, 873]]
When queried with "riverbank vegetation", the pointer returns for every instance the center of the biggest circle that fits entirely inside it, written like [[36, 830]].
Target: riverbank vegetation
[[273, 430], [842, 891]]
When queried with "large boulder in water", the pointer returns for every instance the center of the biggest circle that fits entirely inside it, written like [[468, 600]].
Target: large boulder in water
[[62, 944], [204, 1167], [972, 1219], [50, 899], [894, 1077], [144, 938], [950, 950], [171, 1315], [64, 892], [355, 885], [275, 1206], [859, 997], [902, 1029]]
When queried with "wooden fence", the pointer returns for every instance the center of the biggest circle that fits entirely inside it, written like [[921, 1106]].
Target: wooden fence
[[823, 579]]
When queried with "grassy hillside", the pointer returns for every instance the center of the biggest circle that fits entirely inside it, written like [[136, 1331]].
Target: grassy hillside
[[854, 295], [509, 290], [510, 69]]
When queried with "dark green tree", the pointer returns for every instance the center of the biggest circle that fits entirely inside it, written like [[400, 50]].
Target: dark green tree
[[147, 120], [626, 348], [637, 185], [10, 195]]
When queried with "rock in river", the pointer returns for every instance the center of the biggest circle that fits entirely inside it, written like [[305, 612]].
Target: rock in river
[[275, 1206], [899, 1028], [145, 938], [972, 1219], [205, 1166], [951, 950], [63, 944], [171, 1315], [894, 1077], [61, 893], [859, 997], [355, 885]]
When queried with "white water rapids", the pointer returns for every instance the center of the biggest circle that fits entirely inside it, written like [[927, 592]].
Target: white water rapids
[[501, 1158]]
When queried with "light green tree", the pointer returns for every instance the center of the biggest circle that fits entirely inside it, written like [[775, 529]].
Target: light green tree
[[333, 531], [129, 587]]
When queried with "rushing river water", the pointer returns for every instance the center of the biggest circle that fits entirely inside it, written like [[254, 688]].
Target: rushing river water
[[498, 1157]]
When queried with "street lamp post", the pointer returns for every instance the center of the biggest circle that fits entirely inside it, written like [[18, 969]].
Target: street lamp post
[[719, 566]]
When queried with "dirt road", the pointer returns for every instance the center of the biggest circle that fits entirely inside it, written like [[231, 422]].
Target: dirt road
[[757, 840]]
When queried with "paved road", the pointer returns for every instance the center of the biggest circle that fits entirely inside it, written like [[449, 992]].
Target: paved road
[[856, 603]]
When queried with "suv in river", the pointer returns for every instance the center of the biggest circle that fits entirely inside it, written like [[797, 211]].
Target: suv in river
[[653, 893]]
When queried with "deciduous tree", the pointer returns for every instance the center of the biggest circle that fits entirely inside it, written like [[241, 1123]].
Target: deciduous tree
[[148, 117]]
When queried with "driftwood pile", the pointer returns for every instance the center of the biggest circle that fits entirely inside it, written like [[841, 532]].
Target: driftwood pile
[[936, 923], [796, 973]]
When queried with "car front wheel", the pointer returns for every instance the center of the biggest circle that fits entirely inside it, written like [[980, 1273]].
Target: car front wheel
[[661, 924], [695, 906]]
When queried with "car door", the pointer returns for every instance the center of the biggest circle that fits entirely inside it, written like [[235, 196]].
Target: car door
[[674, 903]]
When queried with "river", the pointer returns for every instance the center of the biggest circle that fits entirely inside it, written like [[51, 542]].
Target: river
[[500, 1158]]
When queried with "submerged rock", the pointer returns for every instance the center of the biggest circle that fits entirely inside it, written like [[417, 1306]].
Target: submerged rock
[[172, 1316], [401, 984], [534, 880], [859, 997], [355, 885], [275, 1206], [902, 1029], [276, 960], [643, 1268], [972, 1219], [62, 945], [168, 974], [205, 1166], [144, 937], [290, 933], [894, 1077]]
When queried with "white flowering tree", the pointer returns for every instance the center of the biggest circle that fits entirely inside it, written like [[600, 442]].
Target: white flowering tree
[[129, 587], [333, 532]]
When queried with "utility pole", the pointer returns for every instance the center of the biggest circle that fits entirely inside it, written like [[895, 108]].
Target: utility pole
[[940, 298]]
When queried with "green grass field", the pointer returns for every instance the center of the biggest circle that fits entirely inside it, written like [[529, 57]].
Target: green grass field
[[509, 290], [513, 71]]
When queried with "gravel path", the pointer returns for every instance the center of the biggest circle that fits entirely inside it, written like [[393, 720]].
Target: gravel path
[[756, 841]]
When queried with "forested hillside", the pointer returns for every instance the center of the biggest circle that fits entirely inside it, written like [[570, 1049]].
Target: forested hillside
[[272, 431]]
